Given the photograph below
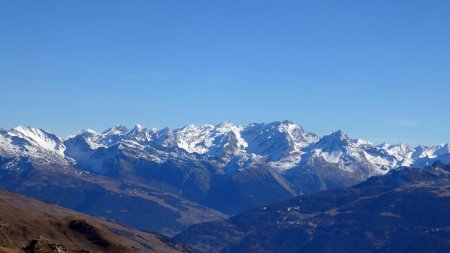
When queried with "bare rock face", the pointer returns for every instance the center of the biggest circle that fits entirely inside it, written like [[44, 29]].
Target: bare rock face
[[41, 245]]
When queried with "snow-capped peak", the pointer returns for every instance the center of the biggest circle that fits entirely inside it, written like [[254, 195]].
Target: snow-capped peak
[[89, 131], [38, 138], [361, 142], [401, 152], [202, 139], [139, 134], [336, 138], [116, 130], [139, 127], [136, 130], [281, 143], [225, 124]]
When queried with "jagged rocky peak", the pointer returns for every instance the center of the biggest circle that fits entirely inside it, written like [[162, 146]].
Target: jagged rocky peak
[[363, 143], [226, 124], [340, 135], [164, 137], [402, 148], [232, 133], [440, 149], [424, 151], [194, 138], [38, 138], [296, 133], [116, 130], [88, 132], [139, 134], [35, 143], [335, 139], [139, 127], [112, 135], [397, 148], [401, 152], [337, 152], [277, 139], [203, 139]]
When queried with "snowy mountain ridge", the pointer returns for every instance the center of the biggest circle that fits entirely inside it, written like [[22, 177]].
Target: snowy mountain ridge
[[280, 145]]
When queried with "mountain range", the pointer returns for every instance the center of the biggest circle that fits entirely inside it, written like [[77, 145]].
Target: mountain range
[[165, 180], [405, 210]]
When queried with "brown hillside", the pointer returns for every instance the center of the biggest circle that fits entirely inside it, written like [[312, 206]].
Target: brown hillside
[[30, 225]]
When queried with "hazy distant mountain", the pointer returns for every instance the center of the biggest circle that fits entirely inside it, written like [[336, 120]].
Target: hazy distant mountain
[[183, 176], [405, 210]]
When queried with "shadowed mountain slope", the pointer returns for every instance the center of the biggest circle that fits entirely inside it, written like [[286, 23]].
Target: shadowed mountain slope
[[405, 210]]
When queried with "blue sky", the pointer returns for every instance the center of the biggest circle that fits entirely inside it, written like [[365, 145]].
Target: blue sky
[[379, 70]]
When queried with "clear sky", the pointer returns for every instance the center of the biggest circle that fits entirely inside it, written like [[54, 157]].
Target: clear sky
[[379, 70]]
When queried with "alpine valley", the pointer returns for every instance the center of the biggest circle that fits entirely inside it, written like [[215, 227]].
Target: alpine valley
[[167, 180]]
